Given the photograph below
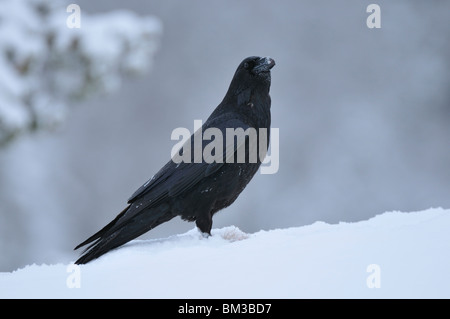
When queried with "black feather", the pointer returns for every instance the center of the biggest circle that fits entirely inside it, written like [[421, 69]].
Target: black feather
[[196, 191]]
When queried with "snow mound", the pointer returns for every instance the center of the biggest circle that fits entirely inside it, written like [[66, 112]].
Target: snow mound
[[393, 255], [231, 233]]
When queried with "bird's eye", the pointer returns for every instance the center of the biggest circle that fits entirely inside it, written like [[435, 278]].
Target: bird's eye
[[246, 65]]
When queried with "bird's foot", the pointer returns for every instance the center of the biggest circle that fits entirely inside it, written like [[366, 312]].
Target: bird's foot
[[204, 234]]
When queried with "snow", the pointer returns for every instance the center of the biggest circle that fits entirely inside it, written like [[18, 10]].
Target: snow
[[393, 255]]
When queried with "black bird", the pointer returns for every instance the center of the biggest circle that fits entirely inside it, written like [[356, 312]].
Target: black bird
[[195, 190]]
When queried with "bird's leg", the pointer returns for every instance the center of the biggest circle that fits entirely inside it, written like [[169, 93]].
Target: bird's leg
[[204, 224]]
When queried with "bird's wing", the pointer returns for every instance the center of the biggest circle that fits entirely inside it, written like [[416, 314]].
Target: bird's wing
[[175, 178]]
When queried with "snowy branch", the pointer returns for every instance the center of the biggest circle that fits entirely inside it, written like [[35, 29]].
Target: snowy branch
[[45, 66]]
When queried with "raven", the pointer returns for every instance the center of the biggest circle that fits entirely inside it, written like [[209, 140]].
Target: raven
[[196, 190]]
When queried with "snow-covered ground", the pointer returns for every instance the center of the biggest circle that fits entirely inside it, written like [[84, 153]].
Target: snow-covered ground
[[393, 255]]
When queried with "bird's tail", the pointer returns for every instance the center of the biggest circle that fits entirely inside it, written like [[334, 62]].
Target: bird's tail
[[119, 232]]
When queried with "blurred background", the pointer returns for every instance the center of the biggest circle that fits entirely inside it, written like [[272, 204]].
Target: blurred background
[[86, 114]]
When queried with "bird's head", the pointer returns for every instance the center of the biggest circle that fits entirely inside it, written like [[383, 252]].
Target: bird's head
[[252, 73], [252, 78], [256, 68]]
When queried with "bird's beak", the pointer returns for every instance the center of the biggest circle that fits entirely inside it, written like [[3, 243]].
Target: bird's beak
[[264, 65]]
